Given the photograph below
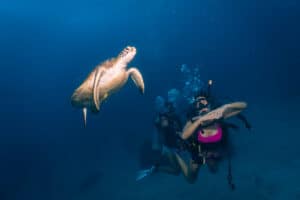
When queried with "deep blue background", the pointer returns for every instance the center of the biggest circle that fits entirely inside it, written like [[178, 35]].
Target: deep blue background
[[249, 48]]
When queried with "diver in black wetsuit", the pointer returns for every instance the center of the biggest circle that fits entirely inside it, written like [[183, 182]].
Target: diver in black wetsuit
[[167, 126], [166, 139]]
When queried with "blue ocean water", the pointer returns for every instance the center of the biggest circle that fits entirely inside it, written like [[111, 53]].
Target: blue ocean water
[[249, 48]]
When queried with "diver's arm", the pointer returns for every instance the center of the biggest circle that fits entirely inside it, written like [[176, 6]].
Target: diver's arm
[[190, 128], [178, 123], [156, 141]]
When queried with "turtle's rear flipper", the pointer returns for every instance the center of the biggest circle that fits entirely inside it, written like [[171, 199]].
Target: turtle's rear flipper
[[137, 78], [82, 96]]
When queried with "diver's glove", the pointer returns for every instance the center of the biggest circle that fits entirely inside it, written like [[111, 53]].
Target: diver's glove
[[144, 173], [243, 118], [248, 126]]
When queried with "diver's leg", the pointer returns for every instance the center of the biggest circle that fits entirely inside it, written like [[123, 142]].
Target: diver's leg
[[168, 170], [170, 155], [190, 172], [173, 161], [193, 171], [212, 165], [171, 167]]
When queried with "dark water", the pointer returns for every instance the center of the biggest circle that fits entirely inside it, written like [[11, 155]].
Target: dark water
[[249, 48]]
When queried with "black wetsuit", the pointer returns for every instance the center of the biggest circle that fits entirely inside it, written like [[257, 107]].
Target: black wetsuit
[[169, 133]]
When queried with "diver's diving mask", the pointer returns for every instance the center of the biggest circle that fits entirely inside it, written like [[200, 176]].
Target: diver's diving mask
[[201, 102], [202, 105]]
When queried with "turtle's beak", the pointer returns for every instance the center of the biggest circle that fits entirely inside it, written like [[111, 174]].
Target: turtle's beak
[[127, 54]]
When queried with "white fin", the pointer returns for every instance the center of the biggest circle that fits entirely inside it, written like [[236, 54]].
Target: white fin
[[144, 173]]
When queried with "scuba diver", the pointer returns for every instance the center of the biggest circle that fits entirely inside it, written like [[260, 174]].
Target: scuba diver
[[206, 134], [166, 139], [167, 125]]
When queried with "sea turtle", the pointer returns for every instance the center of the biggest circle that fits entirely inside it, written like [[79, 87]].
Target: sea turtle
[[105, 79]]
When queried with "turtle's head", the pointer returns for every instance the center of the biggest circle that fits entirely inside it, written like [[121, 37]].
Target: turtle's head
[[127, 54]]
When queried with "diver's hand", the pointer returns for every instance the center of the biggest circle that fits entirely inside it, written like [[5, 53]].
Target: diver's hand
[[203, 110], [178, 134], [211, 116], [248, 126]]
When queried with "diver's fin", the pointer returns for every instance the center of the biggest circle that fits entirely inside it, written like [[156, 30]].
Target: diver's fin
[[144, 173], [84, 112], [137, 78], [96, 90]]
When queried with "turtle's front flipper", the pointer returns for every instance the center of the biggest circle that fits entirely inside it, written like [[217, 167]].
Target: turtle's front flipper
[[96, 89], [137, 78]]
